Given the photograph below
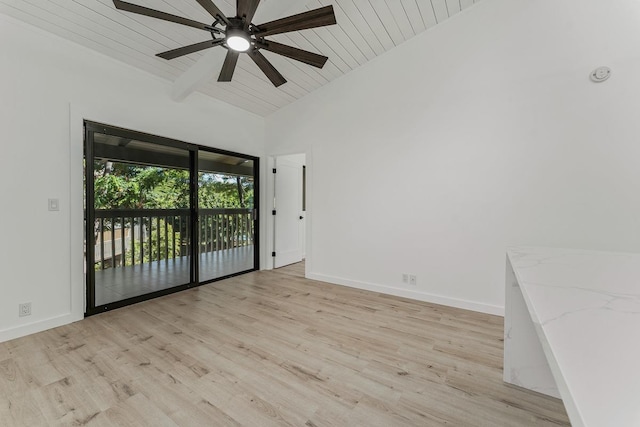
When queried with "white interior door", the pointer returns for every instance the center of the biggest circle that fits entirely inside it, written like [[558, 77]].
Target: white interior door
[[289, 222]]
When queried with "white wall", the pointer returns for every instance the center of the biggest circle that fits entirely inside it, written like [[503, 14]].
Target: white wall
[[47, 86], [481, 133]]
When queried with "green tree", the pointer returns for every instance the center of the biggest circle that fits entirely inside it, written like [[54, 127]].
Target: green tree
[[124, 186]]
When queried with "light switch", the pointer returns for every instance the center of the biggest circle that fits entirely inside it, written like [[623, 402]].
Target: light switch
[[54, 205]]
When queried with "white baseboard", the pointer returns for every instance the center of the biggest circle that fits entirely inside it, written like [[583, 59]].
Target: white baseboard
[[407, 293], [39, 326]]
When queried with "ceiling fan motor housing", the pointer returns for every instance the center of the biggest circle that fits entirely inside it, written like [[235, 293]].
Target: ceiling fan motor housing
[[237, 38]]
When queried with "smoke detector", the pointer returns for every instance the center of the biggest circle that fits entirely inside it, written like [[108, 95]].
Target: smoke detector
[[600, 74]]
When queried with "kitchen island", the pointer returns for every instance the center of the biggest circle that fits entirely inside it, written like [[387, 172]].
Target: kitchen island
[[572, 330]]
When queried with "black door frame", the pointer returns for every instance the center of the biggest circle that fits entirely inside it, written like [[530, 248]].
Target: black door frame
[[90, 128]]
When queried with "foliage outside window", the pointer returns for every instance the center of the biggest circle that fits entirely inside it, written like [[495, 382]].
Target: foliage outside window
[[120, 185]]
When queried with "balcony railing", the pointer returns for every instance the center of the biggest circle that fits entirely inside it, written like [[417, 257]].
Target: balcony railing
[[136, 236]]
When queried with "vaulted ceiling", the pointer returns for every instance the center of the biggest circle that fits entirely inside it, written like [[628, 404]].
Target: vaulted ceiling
[[365, 29]]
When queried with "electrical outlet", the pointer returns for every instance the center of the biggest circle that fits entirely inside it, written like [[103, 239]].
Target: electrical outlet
[[405, 278], [24, 309], [413, 279]]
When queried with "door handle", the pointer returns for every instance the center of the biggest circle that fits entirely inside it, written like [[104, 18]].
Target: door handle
[[301, 217]]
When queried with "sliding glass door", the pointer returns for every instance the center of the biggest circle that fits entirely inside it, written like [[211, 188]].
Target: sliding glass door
[[148, 199], [226, 208]]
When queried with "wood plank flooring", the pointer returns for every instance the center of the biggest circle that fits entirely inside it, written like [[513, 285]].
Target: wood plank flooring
[[269, 348]]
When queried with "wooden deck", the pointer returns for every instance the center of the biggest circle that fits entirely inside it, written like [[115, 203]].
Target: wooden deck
[[116, 284], [269, 348]]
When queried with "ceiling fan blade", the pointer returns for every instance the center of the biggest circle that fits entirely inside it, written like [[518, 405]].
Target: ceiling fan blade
[[141, 10], [185, 50], [267, 68], [302, 21], [213, 10], [229, 66], [246, 9], [294, 53]]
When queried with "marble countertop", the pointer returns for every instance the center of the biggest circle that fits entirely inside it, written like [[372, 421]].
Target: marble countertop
[[586, 310]]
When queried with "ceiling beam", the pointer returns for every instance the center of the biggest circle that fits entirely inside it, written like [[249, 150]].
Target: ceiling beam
[[206, 68]]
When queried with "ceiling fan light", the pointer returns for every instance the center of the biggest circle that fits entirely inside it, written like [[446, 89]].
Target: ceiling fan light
[[238, 43], [237, 40]]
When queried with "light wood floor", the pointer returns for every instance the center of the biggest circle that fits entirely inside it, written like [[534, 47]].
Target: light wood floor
[[269, 348]]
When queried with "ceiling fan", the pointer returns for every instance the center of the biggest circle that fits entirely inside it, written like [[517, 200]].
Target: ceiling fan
[[238, 34]]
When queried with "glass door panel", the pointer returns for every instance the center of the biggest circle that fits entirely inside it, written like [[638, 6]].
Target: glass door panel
[[141, 218], [227, 231]]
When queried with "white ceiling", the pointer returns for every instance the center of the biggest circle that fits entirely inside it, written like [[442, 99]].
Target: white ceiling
[[366, 29]]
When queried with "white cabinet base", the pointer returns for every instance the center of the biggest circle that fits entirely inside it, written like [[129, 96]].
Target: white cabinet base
[[525, 363]]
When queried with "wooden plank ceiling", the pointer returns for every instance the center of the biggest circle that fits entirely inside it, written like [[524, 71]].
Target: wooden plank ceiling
[[366, 29]]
